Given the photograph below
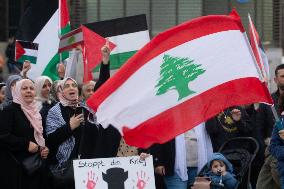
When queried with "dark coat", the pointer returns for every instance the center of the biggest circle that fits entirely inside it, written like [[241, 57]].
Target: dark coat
[[15, 135], [276, 147], [265, 119], [104, 142], [220, 132], [164, 155], [97, 142]]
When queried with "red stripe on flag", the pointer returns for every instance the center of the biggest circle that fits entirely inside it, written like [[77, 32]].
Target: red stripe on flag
[[169, 39], [64, 16], [20, 51], [70, 47], [73, 32], [190, 113], [93, 43], [254, 42]]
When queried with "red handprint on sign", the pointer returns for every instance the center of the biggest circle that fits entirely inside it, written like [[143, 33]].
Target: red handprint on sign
[[142, 181], [91, 182]]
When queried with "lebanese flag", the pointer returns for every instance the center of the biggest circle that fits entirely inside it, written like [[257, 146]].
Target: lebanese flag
[[71, 40], [181, 78], [91, 44]]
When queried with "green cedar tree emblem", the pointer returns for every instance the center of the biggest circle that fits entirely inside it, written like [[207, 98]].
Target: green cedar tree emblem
[[176, 73], [71, 40]]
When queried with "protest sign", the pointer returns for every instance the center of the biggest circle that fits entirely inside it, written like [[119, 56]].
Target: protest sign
[[114, 173]]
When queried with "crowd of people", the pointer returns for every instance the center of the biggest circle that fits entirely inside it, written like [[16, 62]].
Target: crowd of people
[[50, 120]]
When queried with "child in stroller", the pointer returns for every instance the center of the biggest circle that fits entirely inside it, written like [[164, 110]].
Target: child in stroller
[[220, 171], [240, 152]]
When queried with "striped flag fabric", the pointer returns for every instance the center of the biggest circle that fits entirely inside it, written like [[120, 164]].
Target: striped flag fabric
[[64, 18], [91, 44], [26, 51], [129, 34], [258, 51], [178, 81], [71, 40], [49, 20]]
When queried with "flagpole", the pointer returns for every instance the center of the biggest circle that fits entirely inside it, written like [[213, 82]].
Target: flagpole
[[255, 41], [261, 72], [86, 64]]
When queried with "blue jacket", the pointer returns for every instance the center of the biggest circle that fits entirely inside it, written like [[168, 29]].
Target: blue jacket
[[228, 180], [276, 147]]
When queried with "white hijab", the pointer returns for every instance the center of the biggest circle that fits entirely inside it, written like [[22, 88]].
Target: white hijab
[[39, 82]]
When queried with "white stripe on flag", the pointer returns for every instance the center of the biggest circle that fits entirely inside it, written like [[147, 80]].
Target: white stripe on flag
[[129, 42], [224, 55], [48, 46], [31, 52]]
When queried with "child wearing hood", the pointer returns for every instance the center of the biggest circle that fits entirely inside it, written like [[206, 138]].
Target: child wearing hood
[[221, 172]]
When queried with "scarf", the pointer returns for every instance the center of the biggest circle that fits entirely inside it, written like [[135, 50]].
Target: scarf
[[30, 111], [204, 146], [8, 93], [63, 99], [39, 82]]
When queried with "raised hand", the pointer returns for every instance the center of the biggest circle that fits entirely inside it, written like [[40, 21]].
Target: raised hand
[[26, 67], [236, 114], [106, 52]]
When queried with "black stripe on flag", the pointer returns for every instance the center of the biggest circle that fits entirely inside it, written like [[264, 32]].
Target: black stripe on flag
[[36, 15], [119, 26], [28, 45]]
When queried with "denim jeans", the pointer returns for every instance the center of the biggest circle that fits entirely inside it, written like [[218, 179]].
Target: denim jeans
[[175, 182]]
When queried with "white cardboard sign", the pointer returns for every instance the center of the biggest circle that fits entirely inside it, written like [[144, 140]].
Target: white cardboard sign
[[114, 173]]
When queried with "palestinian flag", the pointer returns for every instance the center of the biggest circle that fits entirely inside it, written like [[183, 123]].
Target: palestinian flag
[[26, 51], [129, 34], [181, 78], [40, 23]]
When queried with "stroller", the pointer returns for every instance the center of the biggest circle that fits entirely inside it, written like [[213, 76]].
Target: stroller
[[240, 151]]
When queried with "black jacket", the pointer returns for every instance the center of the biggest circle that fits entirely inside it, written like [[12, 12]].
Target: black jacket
[[220, 132], [95, 141], [164, 155], [15, 134]]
